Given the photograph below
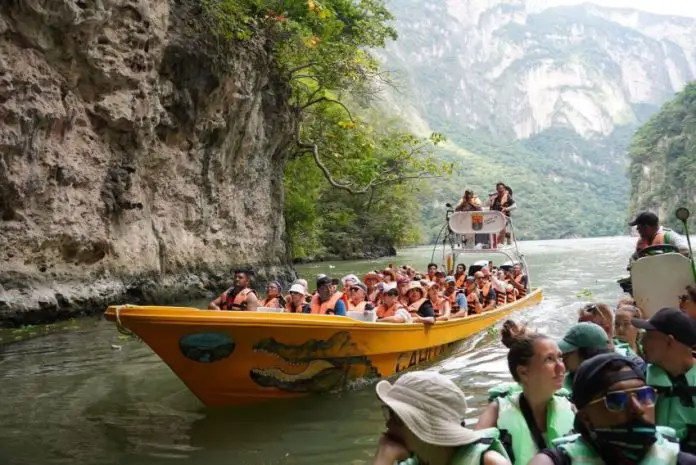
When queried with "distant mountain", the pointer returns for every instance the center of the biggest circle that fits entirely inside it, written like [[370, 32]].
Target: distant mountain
[[546, 99]]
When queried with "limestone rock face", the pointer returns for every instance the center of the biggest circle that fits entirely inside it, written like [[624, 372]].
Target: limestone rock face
[[131, 166]]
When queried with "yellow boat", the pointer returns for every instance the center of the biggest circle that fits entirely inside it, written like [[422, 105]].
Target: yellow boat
[[228, 358]]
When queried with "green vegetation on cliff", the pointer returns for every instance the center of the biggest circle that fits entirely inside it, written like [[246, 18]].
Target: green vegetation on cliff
[[346, 182], [663, 160]]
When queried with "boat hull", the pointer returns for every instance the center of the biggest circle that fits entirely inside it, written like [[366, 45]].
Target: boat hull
[[231, 358]]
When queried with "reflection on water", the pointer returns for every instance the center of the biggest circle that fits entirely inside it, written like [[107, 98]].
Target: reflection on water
[[73, 398]]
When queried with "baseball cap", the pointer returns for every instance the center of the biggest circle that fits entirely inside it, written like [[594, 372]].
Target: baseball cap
[[592, 380], [450, 279], [673, 322], [583, 335], [645, 218]]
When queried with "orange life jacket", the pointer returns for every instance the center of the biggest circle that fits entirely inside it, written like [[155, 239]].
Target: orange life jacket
[[236, 300], [289, 308], [500, 298], [472, 302], [357, 308], [273, 302], [440, 306], [518, 280], [383, 312], [659, 239], [320, 308], [415, 306], [483, 294]]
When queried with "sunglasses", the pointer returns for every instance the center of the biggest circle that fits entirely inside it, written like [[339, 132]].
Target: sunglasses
[[617, 401]]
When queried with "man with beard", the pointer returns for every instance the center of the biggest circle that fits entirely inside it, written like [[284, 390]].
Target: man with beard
[[615, 420], [239, 297]]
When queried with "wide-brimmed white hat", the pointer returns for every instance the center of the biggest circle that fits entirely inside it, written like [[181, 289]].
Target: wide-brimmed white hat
[[431, 406], [299, 288]]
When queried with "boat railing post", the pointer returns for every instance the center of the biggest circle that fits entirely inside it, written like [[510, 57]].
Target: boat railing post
[[682, 215]]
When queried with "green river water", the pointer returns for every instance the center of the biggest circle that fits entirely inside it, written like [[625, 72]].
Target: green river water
[[89, 396]]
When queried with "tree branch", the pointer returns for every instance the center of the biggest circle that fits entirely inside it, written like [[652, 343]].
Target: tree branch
[[291, 71], [326, 99]]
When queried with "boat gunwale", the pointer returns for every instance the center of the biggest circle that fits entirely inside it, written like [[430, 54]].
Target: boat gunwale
[[202, 317]]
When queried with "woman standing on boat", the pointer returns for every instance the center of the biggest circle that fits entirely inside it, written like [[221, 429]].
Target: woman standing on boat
[[530, 420]]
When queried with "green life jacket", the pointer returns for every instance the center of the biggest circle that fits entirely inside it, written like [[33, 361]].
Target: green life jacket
[[669, 410], [623, 348], [472, 454], [663, 452], [559, 422], [507, 389]]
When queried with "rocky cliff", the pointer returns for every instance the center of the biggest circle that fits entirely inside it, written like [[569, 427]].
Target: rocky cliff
[[133, 165], [663, 161], [544, 97]]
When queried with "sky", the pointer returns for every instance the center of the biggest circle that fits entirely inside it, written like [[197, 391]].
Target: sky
[[668, 7]]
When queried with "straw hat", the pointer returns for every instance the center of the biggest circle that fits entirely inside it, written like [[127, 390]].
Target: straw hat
[[372, 275], [431, 406]]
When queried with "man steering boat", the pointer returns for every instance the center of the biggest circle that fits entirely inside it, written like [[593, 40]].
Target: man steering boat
[[653, 234]]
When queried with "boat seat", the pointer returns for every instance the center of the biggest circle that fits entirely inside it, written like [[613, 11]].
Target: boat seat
[[270, 310], [369, 317]]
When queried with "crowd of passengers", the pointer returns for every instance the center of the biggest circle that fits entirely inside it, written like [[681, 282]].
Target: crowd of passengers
[[616, 389], [395, 294]]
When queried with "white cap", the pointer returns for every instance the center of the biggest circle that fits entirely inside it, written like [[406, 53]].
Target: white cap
[[299, 288]]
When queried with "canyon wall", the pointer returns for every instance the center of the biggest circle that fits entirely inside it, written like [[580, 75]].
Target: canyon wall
[[135, 164]]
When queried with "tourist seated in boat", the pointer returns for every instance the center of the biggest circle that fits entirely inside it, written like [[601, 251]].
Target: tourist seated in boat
[[390, 309], [455, 296], [487, 295], [324, 302], [420, 308], [439, 277], [603, 315], [371, 280], [297, 302], [423, 412], [460, 276], [389, 275], [358, 298], [518, 280], [530, 420], [624, 331], [348, 281], [274, 297], [240, 297], [440, 303], [304, 284], [687, 301], [468, 202], [473, 296], [670, 335], [432, 269], [581, 342], [615, 420], [402, 285], [652, 233]]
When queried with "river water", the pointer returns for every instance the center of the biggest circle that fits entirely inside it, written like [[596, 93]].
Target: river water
[[92, 397]]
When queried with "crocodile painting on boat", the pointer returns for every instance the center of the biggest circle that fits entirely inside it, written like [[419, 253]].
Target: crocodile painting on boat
[[325, 365]]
